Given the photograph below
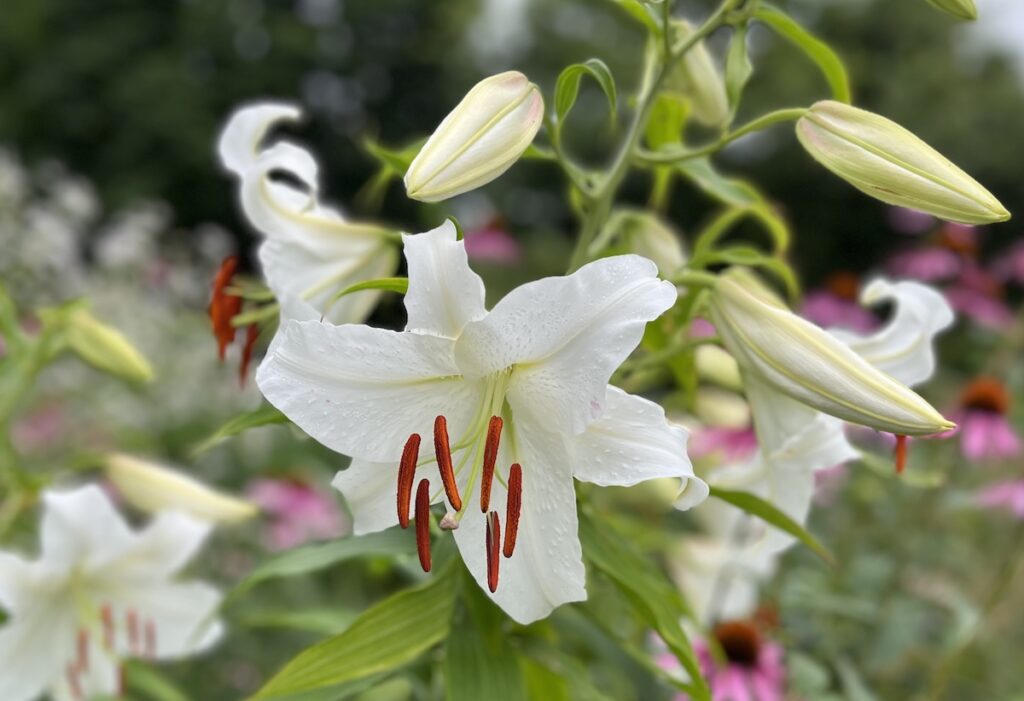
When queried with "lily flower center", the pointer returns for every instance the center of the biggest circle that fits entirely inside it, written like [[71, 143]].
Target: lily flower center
[[477, 452]]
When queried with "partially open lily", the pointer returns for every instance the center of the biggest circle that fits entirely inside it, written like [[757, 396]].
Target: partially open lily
[[311, 251], [524, 384], [98, 594]]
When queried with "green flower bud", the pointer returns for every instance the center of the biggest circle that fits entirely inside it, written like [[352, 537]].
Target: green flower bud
[[105, 348], [154, 488], [696, 77], [648, 235], [884, 160], [961, 9], [479, 140]]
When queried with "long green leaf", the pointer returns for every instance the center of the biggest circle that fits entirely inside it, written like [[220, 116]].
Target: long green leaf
[[140, 677], [568, 85], [264, 416], [653, 597], [385, 637], [388, 284], [479, 661], [319, 556], [737, 67], [756, 506], [814, 48]]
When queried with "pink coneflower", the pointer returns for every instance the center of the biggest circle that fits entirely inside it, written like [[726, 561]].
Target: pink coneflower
[[1004, 495], [925, 264], [909, 221], [985, 433], [835, 304], [1010, 265], [298, 513], [752, 669], [979, 296]]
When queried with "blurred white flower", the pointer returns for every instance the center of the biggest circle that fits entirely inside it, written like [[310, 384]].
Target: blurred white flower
[[311, 251], [525, 384], [99, 593]]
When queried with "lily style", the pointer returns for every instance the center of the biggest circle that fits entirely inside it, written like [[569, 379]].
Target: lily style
[[311, 251], [516, 401], [98, 594]]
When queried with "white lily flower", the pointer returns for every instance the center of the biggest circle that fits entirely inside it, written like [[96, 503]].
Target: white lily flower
[[311, 251], [98, 594], [523, 384], [798, 359]]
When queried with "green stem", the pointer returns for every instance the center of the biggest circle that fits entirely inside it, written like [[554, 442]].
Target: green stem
[[603, 194], [662, 356], [763, 122]]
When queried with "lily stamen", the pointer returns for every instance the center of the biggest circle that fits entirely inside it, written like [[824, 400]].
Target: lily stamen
[[513, 507], [490, 456], [901, 454], [107, 618], [251, 334], [73, 683], [443, 452], [150, 637], [82, 650], [132, 621], [492, 539], [406, 476], [423, 524]]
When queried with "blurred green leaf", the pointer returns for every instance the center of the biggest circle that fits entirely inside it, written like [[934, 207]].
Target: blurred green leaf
[[264, 416], [140, 677], [756, 506], [322, 620], [568, 85], [479, 662], [542, 683], [396, 160], [731, 191], [815, 49], [385, 637], [654, 597], [737, 67], [388, 284], [668, 117], [319, 556]]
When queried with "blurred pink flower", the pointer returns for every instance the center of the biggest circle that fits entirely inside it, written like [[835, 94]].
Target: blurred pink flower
[[909, 221], [753, 670], [979, 296], [925, 264], [39, 429], [298, 513], [828, 483], [730, 444], [1010, 265], [1004, 495], [982, 424], [836, 304], [493, 244], [702, 328]]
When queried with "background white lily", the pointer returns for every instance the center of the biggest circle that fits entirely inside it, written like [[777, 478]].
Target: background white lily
[[99, 593], [311, 251], [540, 360]]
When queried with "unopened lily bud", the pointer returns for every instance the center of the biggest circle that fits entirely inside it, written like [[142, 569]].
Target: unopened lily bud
[[650, 236], [696, 77], [105, 348], [714, 364], [801, 360], [884, 160], [721, 408], [479, 140], [962, 9], [154, 488]]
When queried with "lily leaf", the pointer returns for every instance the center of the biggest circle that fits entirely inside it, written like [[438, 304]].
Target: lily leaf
[[266, 415], [568, 85], [388, 284], [814, 48], [737, 67], [756, 506], [386, 636], [653, 597]]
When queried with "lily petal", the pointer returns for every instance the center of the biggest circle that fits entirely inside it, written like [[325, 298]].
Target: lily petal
[[633, 442], [370, 490], [566, 335], [81, 527], [903, 348], [35, 648], [163, 548], [444, 292], [15, 579], [546, 569], [239, 143], [180, 616], [363, 391]]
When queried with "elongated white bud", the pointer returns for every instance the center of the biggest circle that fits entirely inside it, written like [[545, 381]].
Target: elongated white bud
[[884, 160], [106, 348], [799, 359], [647, 235], [697, 78], [154, 488], [479, 140]]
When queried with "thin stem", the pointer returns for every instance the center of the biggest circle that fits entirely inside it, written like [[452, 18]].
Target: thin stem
[[763, 122], [661, 357], [654, 75]]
